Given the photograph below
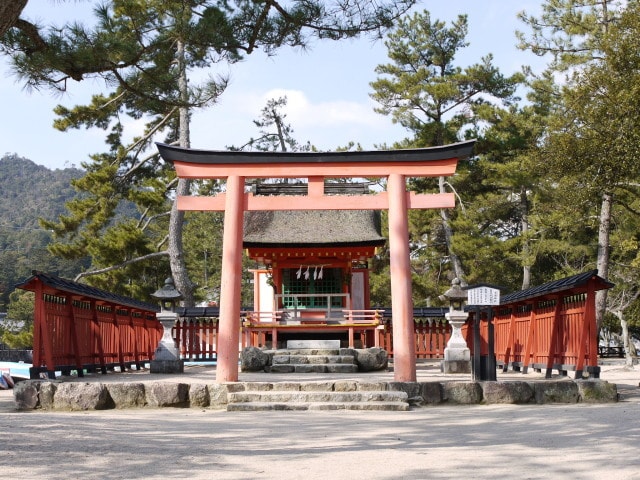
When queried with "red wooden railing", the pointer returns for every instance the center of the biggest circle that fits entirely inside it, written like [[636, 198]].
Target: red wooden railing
[[197, 338], [78, 327], [431, 337], [554, 330], [551, 333]]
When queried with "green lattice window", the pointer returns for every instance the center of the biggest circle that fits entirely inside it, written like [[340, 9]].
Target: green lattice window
[[308, 282]]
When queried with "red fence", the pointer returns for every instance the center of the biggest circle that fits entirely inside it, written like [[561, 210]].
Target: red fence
[[77, 327], [431, 336], [552, 333], [197, 338], [551, 327]]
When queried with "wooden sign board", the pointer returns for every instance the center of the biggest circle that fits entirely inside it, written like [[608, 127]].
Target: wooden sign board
[[483, 296]]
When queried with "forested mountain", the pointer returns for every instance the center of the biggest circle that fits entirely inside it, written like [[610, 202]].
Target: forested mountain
[[29, 192]]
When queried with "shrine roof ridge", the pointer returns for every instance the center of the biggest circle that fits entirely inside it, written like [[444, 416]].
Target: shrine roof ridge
[[173, 153]]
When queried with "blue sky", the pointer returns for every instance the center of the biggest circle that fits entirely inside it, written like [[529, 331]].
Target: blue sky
[[327, 88]]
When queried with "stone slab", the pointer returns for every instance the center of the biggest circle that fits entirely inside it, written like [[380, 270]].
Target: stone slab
[[328, 344], [166, 366]]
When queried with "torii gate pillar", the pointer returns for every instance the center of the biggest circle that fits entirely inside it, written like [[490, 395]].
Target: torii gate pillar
[[230, 287], [404, 357]]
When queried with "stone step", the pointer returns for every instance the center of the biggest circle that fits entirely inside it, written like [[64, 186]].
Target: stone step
[[267, 406], [312, 359], [311, 386], [312, 368], [312, 399], [289, 396], [311, 351]]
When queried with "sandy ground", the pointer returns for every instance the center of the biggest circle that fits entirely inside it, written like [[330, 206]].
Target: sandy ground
[[577, 441]]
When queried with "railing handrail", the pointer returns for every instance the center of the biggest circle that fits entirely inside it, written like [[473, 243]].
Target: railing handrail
[[281, 295]]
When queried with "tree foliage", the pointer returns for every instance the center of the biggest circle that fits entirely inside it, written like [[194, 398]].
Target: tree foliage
[[587, 148], [146, 51], [439, 102]]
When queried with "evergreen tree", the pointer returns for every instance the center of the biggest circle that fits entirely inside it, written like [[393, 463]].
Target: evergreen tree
[[275, 134], [147, 51], [425, 91], [587, 149]]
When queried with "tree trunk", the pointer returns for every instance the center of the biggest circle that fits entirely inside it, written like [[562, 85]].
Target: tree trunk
[[526, 247], [626, 340], [603, 255], [448, 235], [10, 11], [176, 220]]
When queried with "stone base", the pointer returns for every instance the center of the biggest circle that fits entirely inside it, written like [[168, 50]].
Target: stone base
[[167, 366], [456, 366], [305, 344]]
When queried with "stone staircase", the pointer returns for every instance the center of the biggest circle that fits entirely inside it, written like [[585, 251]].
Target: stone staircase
[[321, 395], [312, 360]]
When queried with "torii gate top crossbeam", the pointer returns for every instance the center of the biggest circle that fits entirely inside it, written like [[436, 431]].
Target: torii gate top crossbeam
[[418, 162]]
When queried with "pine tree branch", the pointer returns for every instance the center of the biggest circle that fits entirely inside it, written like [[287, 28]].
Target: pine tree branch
[[164, 240], [152, 218], [10, 11], [121, 265]]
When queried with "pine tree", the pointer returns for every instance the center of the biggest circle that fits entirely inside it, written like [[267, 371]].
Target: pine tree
[[586, 148], [425, 91]]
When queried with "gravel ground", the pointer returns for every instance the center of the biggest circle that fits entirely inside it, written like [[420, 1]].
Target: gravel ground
[[578, 441]]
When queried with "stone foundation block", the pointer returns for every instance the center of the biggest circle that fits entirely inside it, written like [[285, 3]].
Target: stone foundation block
[[597, 391], [371, 386], [341, 368], [254, 359], [556, 392], [348, 351], [372, 359], [412, 389], [281, 368], [280, 359], [293, 386], [47, 393], [198, 395], [507, 392], [160, 394], [25, 395], [311, 368], [218, 395], [299, 359], [465, 393], [431, 392], [127, 395], [258, 386], [82, 396]]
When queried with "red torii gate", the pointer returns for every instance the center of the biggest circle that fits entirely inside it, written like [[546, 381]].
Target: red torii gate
[[394, 165]]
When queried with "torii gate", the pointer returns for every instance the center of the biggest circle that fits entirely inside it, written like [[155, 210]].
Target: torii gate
[[394, 165]]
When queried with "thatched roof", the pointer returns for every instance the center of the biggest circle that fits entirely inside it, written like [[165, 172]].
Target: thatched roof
[[312, 228]]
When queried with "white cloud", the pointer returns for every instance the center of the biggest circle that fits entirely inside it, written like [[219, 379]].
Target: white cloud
[[327, 124]]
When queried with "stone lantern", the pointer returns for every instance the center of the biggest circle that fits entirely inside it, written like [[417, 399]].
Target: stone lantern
[[167, 356], [457, 356]]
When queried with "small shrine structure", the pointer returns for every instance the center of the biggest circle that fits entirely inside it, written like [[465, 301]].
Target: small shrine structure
[[314, 283], [313, 168]]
